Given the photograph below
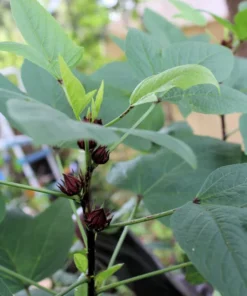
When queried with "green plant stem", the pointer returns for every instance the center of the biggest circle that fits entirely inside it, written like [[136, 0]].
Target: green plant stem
[[72, 205], [114, 146], [143, 276], [24, 279], [123, 234], [73, 286], [42, 190], [115, 120], [144, 219], [232, 132], [27, 291]]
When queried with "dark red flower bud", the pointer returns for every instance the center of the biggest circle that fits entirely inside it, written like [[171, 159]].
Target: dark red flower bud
[[98, 220], [81, 144], [71, 185], [100, 155], [98, 121]]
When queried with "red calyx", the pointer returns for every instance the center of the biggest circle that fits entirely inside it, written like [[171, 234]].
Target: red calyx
[[98, 219], [100, 155], [71, 185]]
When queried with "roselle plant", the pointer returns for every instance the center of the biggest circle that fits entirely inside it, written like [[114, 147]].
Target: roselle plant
[[199, 182]]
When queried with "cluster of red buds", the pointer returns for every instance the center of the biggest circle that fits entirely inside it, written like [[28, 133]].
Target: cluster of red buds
[[72, 185], [98, 219], [100, 155]]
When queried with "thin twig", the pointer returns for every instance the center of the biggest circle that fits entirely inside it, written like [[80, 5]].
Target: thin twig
[[223, 127], [115, 120]]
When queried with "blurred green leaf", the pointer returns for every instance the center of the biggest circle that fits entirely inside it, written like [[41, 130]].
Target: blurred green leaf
[[4, 290], [104, 275], [37, 247], [189, 13], [43, 33], [2, 209]]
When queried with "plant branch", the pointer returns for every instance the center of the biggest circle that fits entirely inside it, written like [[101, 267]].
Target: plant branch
[[25, 279], [232, 132], [91, 263], [73, 286], [223, 127], [115, 120], [42, 190], [123, 234], [114, 146], [143, 276], [144, 219]]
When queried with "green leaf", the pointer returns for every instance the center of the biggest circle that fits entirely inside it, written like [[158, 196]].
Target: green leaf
[[120, 42], [242, 5], [4, 290], [74, 90], [225, 186], [218, 59], [206, 99], [182, 77], [2, 209], [82, 289], [44, 88], [81, 262], [214, 238], [27, 52], [243, 130], [165, 180], [240, 20], [144, 54], [175, 145], [5, 84], [49, 126], [160, 27], [224, 22], [189, 13], [35, 247], [99, 99], [193, 276], [43, 33], [104, 275]]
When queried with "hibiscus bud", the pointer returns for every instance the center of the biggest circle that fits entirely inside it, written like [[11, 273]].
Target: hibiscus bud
[[100, 155], [71, 185], [98, 220], [196, 201], [98, 121], [92, 144]]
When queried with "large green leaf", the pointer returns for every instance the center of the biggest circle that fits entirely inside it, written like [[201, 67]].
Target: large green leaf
[[214, 238], [165, 180], [35, 247], [42, 32], [218, 59], [44, 88], [160, 27], [189, 13], [225, 186], [206, 99], [171, 143], [183, 77], [49, 126], [144, 54], [25, 51], [4, 290], [2, 209]]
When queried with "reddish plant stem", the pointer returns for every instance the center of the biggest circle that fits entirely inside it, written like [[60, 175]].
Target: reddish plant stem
[[223, 127]]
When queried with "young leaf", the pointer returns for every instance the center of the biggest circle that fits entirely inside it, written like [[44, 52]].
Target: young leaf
[[224, 22], [104, 275], [225, 186], [240, 20], [27, 52], [74, 90], [182, 77], [99, 98], [81, 262], [189, 13], [214, 238], [42, 32], [4, 290]]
